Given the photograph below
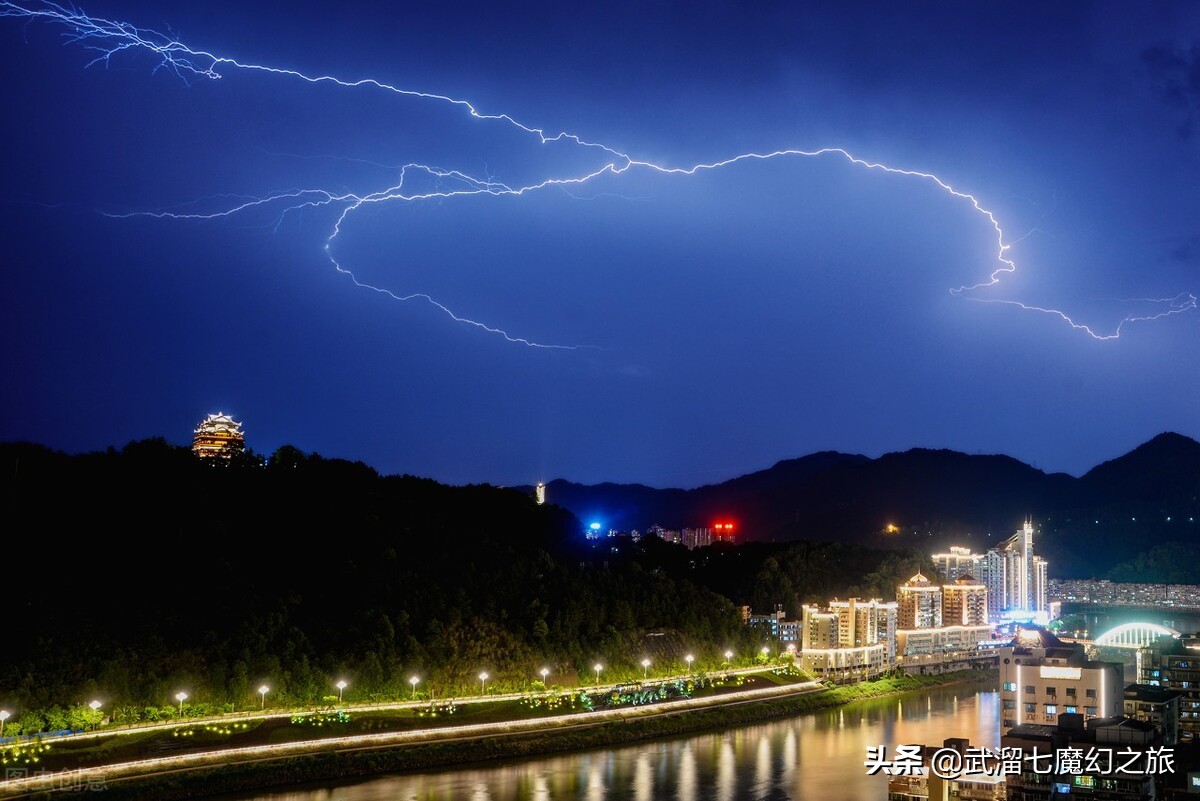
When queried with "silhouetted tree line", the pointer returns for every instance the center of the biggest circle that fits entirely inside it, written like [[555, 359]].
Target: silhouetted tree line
[[133, 574]]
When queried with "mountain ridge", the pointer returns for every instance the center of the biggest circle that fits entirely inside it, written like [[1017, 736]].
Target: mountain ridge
[[1088, 524]]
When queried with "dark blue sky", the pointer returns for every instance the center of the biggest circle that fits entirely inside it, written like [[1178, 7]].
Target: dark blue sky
[[760, 311]]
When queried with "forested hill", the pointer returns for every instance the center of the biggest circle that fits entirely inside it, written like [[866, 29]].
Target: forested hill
[[133, 574]]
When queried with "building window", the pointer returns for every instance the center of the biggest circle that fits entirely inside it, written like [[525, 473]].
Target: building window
[[1090, 693], [1071, 710], [1050, 690], [1070, 692], [1009, 703], [1051, 710], [1030, 689], [1010, 686], [1090, 711], [1031, 707]]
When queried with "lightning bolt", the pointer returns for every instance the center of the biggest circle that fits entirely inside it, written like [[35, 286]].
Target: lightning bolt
[[108, 39]]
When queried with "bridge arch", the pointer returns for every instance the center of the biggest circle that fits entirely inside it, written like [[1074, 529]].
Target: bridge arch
[[1134, 635]]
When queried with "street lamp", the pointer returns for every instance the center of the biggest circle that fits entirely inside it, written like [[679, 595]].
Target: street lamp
[[645, 668], [689, 659], [341, 685], [95, 707], [414, 681], [3, 717], [263, 690], [181, 697], [545, 672], [598, 667], [728, 655], [483, 677], [765, 652]]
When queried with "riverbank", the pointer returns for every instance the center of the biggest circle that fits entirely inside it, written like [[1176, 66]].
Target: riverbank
[[348, 758]]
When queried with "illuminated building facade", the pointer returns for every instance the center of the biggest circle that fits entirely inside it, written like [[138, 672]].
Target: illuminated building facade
[[1015, 578], [850, 639], [956, 562], [1173, 663], [1042, 677], [919, 603], [218, 436], [964, 603]]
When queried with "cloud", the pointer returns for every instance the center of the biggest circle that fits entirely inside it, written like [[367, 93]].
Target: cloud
[[1176, 71]]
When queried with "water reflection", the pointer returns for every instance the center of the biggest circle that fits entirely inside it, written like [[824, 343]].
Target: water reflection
[[814, 756]]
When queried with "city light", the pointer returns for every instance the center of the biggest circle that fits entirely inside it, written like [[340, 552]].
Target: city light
[[645, 668], [483, 677], [95, 705], [689, 659], [181, 697], [263, 690], [414, 681], [728, 656], [598, 667], [545, 672], [341, 685]]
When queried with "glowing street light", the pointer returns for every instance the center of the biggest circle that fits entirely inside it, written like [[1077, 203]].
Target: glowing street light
[[728, 655], [341, 685], [3, 717], [689, 659], [645, 667], [263, 690], [597, 667], [181, 697], [483, 677], [414, 681], [545, 672], [95, 707], [765, 651]]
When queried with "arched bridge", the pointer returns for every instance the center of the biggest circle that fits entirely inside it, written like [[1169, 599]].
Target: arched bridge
[[1133, 635]]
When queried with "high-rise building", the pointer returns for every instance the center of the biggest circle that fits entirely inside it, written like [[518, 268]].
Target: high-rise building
[[993, 572], [218, 436], [919, 604], [964, 603], [1015, 579], [853, 638], [540, 493], [958, 561], [1038, 586]]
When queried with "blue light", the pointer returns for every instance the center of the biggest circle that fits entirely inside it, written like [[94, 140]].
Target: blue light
[[594, 526]]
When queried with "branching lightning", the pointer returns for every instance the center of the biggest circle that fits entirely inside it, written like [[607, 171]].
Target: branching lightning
[[109, 39]]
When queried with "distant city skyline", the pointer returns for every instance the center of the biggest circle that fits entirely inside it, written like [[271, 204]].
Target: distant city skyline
[[757, 233]]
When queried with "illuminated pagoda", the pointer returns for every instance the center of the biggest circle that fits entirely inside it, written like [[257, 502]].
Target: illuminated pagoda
[[219, 436]]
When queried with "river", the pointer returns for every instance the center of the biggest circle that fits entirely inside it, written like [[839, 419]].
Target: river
[[817, 755]]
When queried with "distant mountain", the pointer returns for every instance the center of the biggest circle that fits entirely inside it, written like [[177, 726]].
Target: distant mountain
[[1087, 525]]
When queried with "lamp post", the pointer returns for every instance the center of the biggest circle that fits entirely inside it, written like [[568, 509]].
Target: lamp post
[[483, 677], [3, 717], [597, 667], [263, 690], [766, 652], [95, 707], [181, 697], [728, 656], [645, 668], [414, 681], [545, 672], [341, 685], [689, 659]]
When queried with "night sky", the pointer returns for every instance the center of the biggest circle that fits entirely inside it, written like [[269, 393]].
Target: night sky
[[728, 319]]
